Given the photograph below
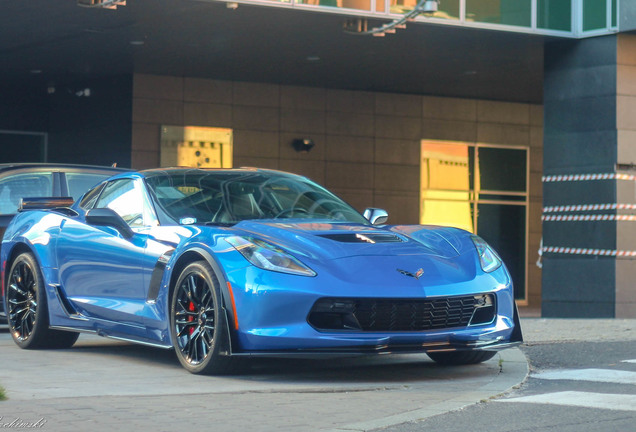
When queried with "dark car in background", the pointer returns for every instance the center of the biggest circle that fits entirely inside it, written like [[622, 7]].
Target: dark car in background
[[22, 180]]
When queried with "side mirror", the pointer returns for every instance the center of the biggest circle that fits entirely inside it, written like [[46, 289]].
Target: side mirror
[[376, 216], [107, 217]]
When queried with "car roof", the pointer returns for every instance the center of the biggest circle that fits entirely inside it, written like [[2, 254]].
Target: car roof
[[6, 167]]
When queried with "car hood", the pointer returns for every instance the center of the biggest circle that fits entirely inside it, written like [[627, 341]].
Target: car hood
[[326, 241]]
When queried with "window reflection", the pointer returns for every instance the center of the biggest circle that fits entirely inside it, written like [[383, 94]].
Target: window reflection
[[594, 14], [446, 179], [448, 9], [16, 187], [349, 4], [554, 14], [509, 12]]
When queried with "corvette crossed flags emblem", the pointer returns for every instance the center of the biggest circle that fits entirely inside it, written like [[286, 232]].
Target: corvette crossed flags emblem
[[418, 274]]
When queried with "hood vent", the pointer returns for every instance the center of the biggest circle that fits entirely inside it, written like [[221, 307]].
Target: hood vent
[[364, 238]]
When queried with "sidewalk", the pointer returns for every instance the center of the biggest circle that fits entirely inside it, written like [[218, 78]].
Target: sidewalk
[[538, 330], [104, 385]]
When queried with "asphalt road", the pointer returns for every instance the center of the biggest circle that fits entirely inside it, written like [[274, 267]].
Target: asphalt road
[[573, 386]]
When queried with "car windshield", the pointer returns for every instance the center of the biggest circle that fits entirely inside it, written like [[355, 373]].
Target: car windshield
[[198, 197]]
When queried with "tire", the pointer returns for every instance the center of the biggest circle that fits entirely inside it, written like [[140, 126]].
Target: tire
[[27, 309], [197, 323], [461, 357]]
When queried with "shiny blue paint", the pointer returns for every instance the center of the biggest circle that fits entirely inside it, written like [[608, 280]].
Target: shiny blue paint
[[106, 278]]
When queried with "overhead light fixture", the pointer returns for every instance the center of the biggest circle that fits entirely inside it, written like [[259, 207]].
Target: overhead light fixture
[[231, 5], [430, 7]]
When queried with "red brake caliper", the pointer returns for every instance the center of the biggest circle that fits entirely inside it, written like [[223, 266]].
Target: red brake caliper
[[191, 318]]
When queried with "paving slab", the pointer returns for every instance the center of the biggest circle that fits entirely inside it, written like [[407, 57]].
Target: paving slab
[[101, 385]]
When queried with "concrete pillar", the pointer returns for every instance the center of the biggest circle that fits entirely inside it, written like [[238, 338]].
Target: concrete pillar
[[580, 138], [590, 130]]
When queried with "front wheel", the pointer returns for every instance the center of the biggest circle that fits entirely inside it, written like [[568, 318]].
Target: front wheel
[[461, 357], [197, 323], [27, 310]]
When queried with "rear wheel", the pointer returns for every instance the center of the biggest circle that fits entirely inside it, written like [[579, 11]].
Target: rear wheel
[[27, 310], [461, 357], [198, 326]]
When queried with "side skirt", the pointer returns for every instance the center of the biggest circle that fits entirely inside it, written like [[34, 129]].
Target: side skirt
[[109, 336]]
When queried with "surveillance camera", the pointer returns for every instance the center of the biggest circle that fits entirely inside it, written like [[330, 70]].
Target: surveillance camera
[[303, 144]]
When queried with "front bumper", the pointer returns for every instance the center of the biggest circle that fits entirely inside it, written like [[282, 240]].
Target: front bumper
[[490, 339]]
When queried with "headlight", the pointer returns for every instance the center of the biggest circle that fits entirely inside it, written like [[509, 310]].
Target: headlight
[[487, 256], [267, 256]]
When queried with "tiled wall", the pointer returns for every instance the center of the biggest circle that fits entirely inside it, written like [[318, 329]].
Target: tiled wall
[[367, 144], [626, 155]]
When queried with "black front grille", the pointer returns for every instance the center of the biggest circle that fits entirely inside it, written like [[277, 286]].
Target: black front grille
[[396, 315]]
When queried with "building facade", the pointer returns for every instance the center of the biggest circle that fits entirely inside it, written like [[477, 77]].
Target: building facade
[[512, 119]]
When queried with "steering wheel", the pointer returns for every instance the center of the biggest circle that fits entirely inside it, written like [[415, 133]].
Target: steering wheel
[[291, 211], [322, 202]]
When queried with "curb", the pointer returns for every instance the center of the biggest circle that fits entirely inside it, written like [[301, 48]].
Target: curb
[[514, 370]]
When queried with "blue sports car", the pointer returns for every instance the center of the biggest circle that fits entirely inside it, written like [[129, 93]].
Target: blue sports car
[[221, 265]]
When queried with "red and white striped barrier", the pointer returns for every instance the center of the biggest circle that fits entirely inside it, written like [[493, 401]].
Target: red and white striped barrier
[[587, 177], [579, 218], [588, 207], [584, 251]]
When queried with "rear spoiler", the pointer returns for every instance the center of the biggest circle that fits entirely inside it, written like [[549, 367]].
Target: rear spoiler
[[41, 203]]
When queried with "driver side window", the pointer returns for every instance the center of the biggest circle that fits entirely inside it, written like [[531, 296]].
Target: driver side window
[[127, 199]]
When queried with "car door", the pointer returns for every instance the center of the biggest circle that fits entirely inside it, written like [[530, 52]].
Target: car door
[[100, 269]]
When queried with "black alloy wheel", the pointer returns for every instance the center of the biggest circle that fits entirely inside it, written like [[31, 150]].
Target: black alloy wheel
[[197, 322], [27, 313]]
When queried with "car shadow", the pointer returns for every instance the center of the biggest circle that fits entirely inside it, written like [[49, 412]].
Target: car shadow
[[367, 369]]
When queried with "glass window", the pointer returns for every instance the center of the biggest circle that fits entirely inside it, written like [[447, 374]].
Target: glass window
[[448, 9], [192, 146], [503, 226], [18, 186], [554, 14], [127, 199], [88, 201], [194, 197], [349, 4], [614, 13], [502, 169], [482, 189], [594, 14], [447, 179], [79, 183], [509, 12]]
